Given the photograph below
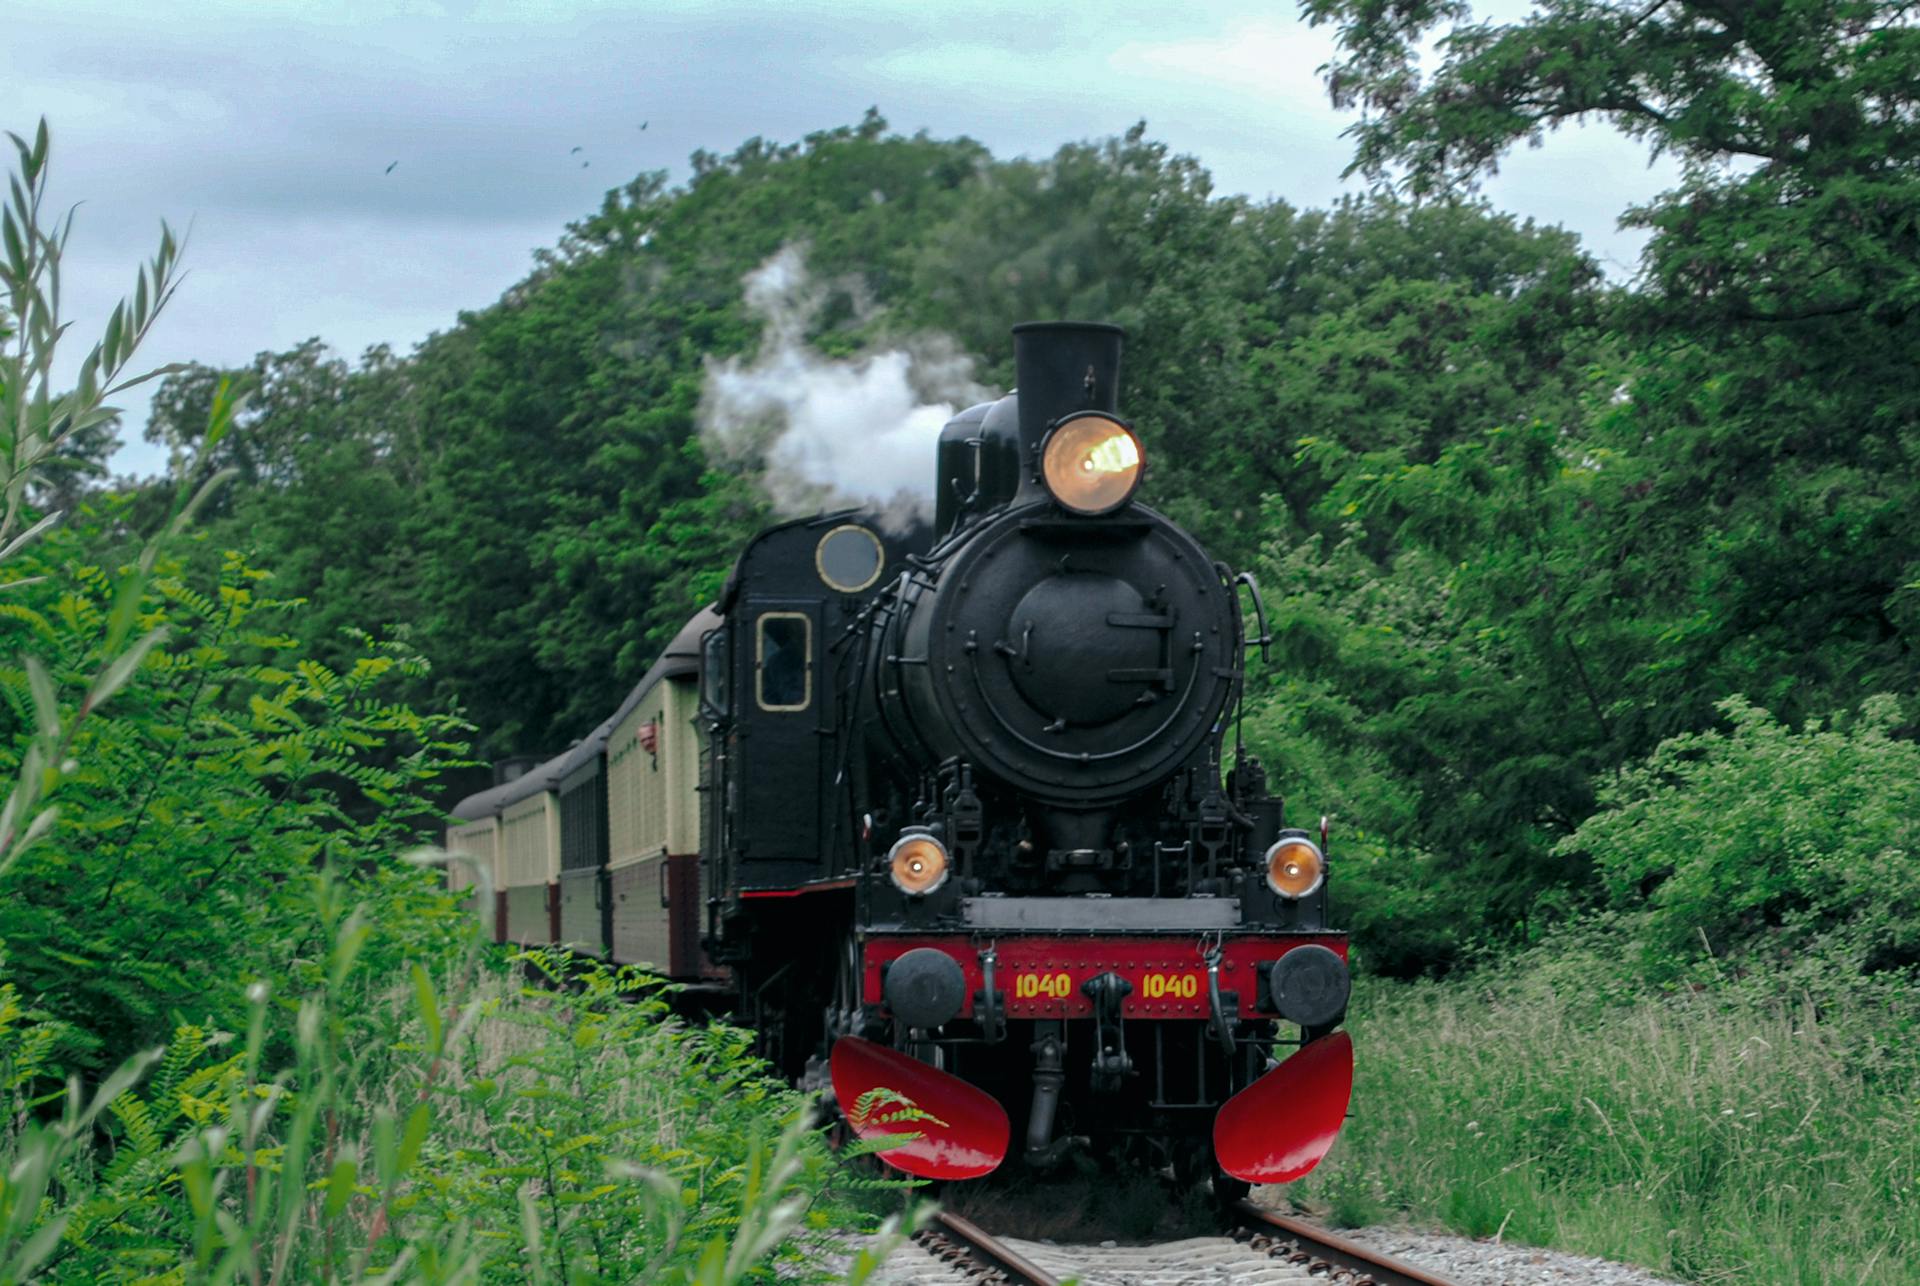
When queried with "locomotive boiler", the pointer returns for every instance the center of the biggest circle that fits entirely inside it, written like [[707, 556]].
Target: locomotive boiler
[[969, 854]]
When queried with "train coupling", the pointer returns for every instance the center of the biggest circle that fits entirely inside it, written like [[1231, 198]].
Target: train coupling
[[1111, 1065]]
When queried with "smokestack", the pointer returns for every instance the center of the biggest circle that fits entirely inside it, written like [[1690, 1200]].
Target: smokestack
[[1061, 367]]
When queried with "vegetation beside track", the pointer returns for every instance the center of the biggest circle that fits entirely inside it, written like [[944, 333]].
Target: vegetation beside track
[[1754, 1129], [241, 1037], [1718, 1075], [457, 1126]]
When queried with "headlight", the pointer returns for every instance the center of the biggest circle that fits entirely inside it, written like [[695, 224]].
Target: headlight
[[1091, 463], [918, 863], [1295, 867]]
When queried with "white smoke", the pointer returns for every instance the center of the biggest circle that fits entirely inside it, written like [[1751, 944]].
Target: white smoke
[[824, 433]]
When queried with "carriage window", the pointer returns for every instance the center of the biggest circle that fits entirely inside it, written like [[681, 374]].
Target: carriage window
[[713, 673], [784, 666]]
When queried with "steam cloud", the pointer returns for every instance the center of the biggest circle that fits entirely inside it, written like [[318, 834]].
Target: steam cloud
[[824, 434]]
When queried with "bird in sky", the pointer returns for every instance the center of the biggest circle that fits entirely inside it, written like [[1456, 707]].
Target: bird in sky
[[643, 124], [389, 169], [574, 150]]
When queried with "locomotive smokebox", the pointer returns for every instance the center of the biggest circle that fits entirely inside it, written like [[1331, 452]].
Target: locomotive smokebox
[[1078, 656], [1061, 367]]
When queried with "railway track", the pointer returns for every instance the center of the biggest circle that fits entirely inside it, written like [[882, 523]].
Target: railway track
[[1281, 1235], [1263, 1249]]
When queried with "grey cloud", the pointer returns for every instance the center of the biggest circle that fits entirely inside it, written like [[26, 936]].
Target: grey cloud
[[273, 133]]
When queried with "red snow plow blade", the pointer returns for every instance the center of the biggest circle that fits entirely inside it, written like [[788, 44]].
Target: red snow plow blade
[[1279, 1127], [962, 1129]]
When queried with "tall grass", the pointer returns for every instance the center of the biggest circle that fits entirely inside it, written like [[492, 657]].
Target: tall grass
[[464, 1128], [1761, 1129]]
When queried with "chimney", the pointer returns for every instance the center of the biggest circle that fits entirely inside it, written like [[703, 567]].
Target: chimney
[[1061, 367]]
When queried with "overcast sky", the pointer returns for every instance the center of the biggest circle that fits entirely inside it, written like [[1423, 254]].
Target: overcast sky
[[269, 127]]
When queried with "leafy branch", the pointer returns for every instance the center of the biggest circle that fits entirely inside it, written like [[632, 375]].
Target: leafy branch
[[34, 423]]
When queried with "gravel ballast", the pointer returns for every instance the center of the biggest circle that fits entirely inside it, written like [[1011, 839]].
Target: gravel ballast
[[1467, 1262], [1218, 1261]]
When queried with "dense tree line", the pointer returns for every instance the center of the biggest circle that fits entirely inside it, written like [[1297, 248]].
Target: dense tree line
[[1519, 527], [527, 492]]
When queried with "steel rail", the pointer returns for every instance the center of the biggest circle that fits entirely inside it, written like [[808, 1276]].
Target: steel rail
[[1318, 1243], [984, 1246]]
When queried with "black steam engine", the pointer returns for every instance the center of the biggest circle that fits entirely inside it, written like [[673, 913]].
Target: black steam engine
[[945, 813], [968, 838]]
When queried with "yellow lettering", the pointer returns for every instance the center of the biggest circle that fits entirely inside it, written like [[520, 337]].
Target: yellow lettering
[[1182, 986], [1055, 986]]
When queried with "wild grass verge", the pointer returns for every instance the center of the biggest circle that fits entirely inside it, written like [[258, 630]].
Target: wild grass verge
[[464, 1127], [1759, 1130]]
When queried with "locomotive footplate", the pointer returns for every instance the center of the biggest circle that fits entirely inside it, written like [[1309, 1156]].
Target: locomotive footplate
[[1037, 976]]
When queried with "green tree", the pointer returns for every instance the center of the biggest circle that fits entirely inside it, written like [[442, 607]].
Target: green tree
[[1714, 493], [1241, 316], [327, 462], [1770, 517], [1426, 327], [1794, 121], [1766, 841]]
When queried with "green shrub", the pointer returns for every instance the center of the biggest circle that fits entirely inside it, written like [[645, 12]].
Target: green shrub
[[227, 767], [1767, 841]]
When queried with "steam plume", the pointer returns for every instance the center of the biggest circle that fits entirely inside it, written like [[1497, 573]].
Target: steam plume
[[823, 433]]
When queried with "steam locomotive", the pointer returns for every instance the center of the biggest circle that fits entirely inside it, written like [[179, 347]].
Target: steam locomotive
[[943, 813]]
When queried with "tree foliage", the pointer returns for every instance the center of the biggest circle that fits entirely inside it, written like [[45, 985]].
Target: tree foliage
[[1723, 502], [1518, 526], [1794, 121], [1763, 841]]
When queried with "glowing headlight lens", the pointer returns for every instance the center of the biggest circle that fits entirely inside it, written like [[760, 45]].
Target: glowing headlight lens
[[1091, 463], [1295, 867], [918, 864]]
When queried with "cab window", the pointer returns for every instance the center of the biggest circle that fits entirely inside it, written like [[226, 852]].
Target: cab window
[[783, 661], [715, 687]]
